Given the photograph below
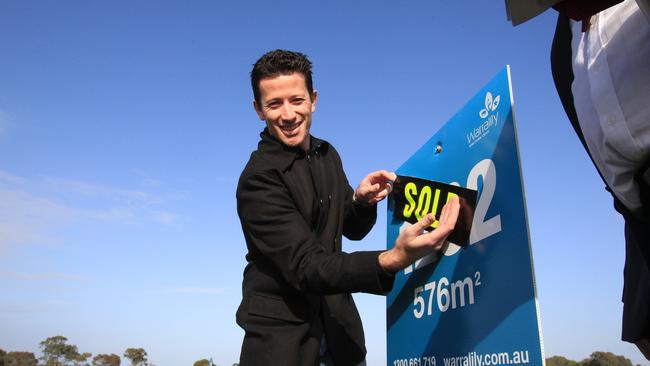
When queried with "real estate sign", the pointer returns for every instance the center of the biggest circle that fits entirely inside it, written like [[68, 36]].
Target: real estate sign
[[476, 304]]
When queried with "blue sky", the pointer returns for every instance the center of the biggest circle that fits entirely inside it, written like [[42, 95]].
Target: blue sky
[[124, 127]]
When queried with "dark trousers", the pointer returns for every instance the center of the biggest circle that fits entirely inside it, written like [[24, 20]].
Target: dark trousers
[[636, 289]]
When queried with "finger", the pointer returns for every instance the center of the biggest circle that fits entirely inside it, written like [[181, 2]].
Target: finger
[[423, 223], [451, 216], [445, 212], [382, 176], [448, 207], [386, 189], [454, 213], [365, 189], [448, 217], [388, 176], [387, 186], [381, 195]]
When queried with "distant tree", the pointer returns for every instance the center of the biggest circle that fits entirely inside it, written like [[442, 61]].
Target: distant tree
[[78, 359], [20, 359], [53, 349], [605, 359], [2, 357], [202, 362], [235, 364], [137, 356], [560, 361], [56, 351], [107, 360]]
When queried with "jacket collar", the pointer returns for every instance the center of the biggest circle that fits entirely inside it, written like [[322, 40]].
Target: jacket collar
[[282, 156]]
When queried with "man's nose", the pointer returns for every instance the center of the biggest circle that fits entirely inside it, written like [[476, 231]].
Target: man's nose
[[288, 113]]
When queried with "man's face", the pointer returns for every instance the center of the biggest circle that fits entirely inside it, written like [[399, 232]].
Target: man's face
[[286, 106]]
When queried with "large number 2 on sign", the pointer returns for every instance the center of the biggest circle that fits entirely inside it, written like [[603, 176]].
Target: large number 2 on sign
[[481, 228]]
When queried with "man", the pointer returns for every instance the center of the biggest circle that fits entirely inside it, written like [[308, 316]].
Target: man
[[601, 69], [294, 203]]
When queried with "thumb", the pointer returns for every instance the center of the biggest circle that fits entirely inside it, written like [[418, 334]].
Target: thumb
[[424, 222]]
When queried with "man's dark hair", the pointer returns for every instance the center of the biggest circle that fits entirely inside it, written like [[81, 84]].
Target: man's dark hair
[[280, 62]]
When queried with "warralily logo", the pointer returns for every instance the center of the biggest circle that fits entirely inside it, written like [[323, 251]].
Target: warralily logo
[[490, 104], [490, 119]]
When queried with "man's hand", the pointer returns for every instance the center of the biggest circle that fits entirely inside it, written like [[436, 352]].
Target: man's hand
[[374, 187], [412, 244]]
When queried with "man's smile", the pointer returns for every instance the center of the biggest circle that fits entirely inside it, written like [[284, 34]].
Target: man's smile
[[290, 129]]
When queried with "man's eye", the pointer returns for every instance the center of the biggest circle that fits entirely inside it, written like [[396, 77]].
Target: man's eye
[[273, 105], [297, 101]]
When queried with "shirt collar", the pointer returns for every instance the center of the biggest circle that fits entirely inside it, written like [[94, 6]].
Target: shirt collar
[[282, 156]]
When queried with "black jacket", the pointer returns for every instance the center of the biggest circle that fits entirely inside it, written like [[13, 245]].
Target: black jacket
[[293, 207]]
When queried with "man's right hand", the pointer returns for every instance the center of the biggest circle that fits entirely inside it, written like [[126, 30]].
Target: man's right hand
[[412, 244]]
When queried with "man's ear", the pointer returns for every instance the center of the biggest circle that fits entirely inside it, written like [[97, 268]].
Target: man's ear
[[258, 110], [314, 96]]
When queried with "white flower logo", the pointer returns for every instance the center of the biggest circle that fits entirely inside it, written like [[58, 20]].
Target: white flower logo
[[490, 104]]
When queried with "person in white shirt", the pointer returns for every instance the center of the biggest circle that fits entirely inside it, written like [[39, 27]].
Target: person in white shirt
[[601, 69]]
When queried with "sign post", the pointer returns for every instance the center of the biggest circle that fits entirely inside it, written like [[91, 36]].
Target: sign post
[[473, 305]]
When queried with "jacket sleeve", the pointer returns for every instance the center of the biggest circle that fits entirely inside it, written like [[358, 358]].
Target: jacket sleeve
[[277, 233], [357, 219]]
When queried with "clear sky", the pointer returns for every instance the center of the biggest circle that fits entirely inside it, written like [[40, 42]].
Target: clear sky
[[124, 126]]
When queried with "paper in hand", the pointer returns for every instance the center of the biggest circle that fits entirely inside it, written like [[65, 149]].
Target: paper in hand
[[414, 198]]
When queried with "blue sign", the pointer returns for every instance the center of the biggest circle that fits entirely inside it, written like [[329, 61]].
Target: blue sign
[[474, 305]]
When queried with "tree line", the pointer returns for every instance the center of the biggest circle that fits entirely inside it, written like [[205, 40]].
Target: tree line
[[56, 351], [595, 359]]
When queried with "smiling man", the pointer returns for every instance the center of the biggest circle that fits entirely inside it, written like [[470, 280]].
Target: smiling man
[[295, 203], [287, 107]]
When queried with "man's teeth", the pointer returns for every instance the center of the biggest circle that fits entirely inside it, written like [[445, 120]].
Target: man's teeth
[[290, 127]]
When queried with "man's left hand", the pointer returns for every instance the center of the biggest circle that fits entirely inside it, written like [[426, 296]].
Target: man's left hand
[[374, 187]]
